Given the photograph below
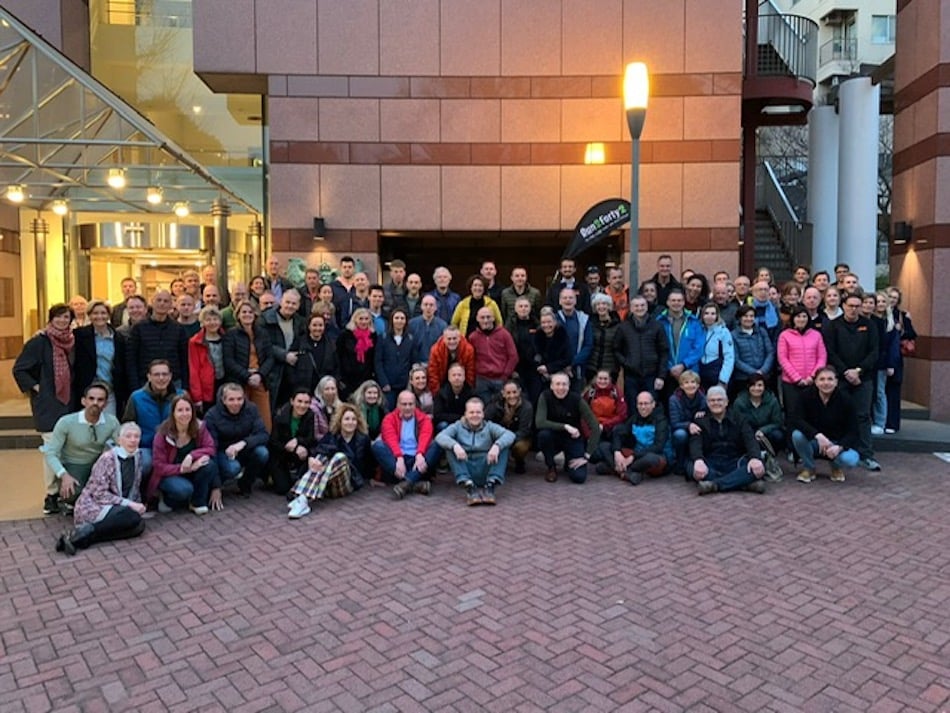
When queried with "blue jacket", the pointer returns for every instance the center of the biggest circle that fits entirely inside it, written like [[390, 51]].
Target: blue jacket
[[691, 344], [754, 352], [148, 410], [684, 409], [424, 336], [584, 345], [393, 361], [716, 341]]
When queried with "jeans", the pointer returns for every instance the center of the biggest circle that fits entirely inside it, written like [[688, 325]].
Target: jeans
[[633, 385], [680, 440], [477, 469], [551, 441], [728, 475], [808, 449], [487, 389], [145, 458], [191, 488], [252, 460], [387, 462], [861, 395], [879, 409]]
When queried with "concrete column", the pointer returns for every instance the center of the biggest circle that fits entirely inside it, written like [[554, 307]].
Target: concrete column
[[255, 233], [823, 186], [220, 210], [39, 229], [859, 103]]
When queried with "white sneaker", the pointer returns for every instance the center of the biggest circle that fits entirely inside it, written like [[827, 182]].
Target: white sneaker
[[299, 508], [877, 431], [162, 507], [199, 510]]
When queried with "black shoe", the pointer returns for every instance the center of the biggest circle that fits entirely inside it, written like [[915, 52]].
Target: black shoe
[[603, 468], [756, 486], [423, 487], [635, 477], [520, 468], [402, 489], [51, 505], [61, 543], [472, 496], [488, 494], [705, 487]]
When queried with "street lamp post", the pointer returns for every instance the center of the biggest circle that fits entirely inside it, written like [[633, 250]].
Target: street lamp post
[[636, 90]]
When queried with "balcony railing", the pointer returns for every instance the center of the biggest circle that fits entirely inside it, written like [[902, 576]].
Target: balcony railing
[[787, 44], [838, 50], [158, 13]]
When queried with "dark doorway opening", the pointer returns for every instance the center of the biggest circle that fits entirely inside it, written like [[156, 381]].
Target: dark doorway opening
[[463, 252]]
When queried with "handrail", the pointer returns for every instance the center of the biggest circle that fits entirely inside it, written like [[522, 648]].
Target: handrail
[[794, 235], [774, 191], [839, 49], [794, 40]]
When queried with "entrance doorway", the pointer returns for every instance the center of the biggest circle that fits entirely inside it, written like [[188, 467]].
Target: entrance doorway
[[463, 252]]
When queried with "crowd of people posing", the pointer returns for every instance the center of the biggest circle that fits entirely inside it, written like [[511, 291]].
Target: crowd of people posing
[[317, 390]]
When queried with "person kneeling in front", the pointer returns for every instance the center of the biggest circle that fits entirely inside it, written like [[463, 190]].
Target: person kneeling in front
[[405, 450], [478, 452], [558, 419], [110, 505], [237, 428], [724, 455]]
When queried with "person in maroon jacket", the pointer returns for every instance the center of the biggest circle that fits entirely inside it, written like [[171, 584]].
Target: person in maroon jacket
[[406, 450], [496, 355]]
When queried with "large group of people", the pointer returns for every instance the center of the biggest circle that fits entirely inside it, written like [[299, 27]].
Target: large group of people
[[315, 391]]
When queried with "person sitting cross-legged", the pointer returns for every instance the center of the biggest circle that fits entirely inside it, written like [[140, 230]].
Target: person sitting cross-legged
[[405, 450], [825, 424], [236, 426], [558, 418], [641, 446], [290, 440], [724, 454], [478, 452]]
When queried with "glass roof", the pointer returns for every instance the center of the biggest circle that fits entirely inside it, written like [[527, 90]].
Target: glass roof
[[62, 131]]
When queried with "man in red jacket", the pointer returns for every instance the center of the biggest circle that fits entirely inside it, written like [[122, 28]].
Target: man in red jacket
[[406, 451], [495, 356]]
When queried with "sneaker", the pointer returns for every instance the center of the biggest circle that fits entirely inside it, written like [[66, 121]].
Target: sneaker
[[635, 477], [706, 487], [766, 445], [51, 505], [402, 489], [162, 507], [871, 464], [805, 476], [67, 508], [877, 431], [551, 475], [837, 475], [756, 486], [520, 467], [300, 507], [488, 494], [198, 509], [423, 487], [472, 496], [890, 431]]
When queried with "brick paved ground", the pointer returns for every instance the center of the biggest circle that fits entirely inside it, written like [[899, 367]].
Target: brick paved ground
[[562, 598]]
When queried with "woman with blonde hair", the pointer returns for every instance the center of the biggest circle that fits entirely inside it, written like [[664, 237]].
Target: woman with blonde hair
[[339, 462], [368, 398], [249, 359], [356, 351]]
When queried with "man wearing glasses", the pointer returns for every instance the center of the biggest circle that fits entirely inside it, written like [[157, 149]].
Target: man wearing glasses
[[151, 405], [852, 344], [78, 440]]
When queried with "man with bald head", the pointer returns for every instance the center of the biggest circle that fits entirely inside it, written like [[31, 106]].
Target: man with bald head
[[158, 337], [495, 355]]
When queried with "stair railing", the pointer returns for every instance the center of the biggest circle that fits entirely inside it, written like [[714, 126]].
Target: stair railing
[[794, 39], [794, 235]]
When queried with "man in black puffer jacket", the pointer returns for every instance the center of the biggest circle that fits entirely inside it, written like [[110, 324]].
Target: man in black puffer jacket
[[642, 349], [158, 337]]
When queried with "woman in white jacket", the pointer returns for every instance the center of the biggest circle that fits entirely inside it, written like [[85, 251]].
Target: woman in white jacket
[[719, 353]]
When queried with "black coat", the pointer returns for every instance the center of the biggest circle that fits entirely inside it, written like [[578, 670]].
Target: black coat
[[236, 349], [317, 359], [227, 428], [35, 366], [84, 371], [270, 324], [357, 452], [352, 373], [554, 352], [642, 349], [280, 431], [152, 340]]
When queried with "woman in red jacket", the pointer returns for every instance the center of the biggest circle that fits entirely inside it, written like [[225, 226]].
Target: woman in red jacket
[[184, 472], [206, 359]]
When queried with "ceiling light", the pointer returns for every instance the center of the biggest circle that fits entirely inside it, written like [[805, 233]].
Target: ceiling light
[[16, 193], [116, 178], [181, 209], [60, 207], [153, 195]]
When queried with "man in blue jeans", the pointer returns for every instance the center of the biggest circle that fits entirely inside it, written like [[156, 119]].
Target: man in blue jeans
[[724, 455], [405, 450], [478, 452], [237, 428]]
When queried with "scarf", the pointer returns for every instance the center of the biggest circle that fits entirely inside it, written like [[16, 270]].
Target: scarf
[[364, 342], [771, 314], [62, 341]]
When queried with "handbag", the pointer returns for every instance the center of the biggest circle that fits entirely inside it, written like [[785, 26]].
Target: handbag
[[908, 347]]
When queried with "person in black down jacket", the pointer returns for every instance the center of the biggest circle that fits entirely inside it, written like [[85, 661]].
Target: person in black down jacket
[[237, 429], [318, 357], [158, 336], [643, 350]]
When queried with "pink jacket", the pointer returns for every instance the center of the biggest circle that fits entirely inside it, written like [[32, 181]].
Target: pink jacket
[[800, 355], [102, 489], [164, 452]]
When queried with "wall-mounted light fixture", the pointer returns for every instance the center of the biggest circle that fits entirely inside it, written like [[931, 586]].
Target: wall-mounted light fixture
[[903, 233], [594, 153], [319, 229]]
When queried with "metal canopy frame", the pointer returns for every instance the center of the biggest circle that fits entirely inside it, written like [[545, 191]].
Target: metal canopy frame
[[62, 131]]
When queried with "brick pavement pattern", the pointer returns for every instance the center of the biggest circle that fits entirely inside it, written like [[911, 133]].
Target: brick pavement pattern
[[601, 597]]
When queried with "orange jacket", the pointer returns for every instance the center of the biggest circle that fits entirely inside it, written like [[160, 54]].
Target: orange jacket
[[439, 363]]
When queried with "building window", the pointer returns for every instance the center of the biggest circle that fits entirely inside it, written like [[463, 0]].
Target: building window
[[883, 29]]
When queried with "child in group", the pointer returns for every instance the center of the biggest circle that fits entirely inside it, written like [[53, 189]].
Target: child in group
[[686, 403]]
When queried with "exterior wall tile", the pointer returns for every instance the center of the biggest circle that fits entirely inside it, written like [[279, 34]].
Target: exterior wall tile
[[216, 22], [471, 38], [349, 196], [471, 198], [530, 197], [501, 154], [716, 117], [471, 120], [312, 86], [411, 197], [661, 195], [399, 19], [293, 118], [286, 36], [530, 37], [349, 120], [295, 194], [383, 153], [711, 44], [711, 195], [500, 87], [409, 119], [440, 87], [664, 120], [558, 154], [445, 154], [593, 38], [582, 187], [317, 152], [530, 120], [654, 32], [348, 42], [378, 87], [591, 119], [942, 192], [560, 87]]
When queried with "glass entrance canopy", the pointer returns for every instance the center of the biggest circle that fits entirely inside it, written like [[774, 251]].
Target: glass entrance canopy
[[64, 136]]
